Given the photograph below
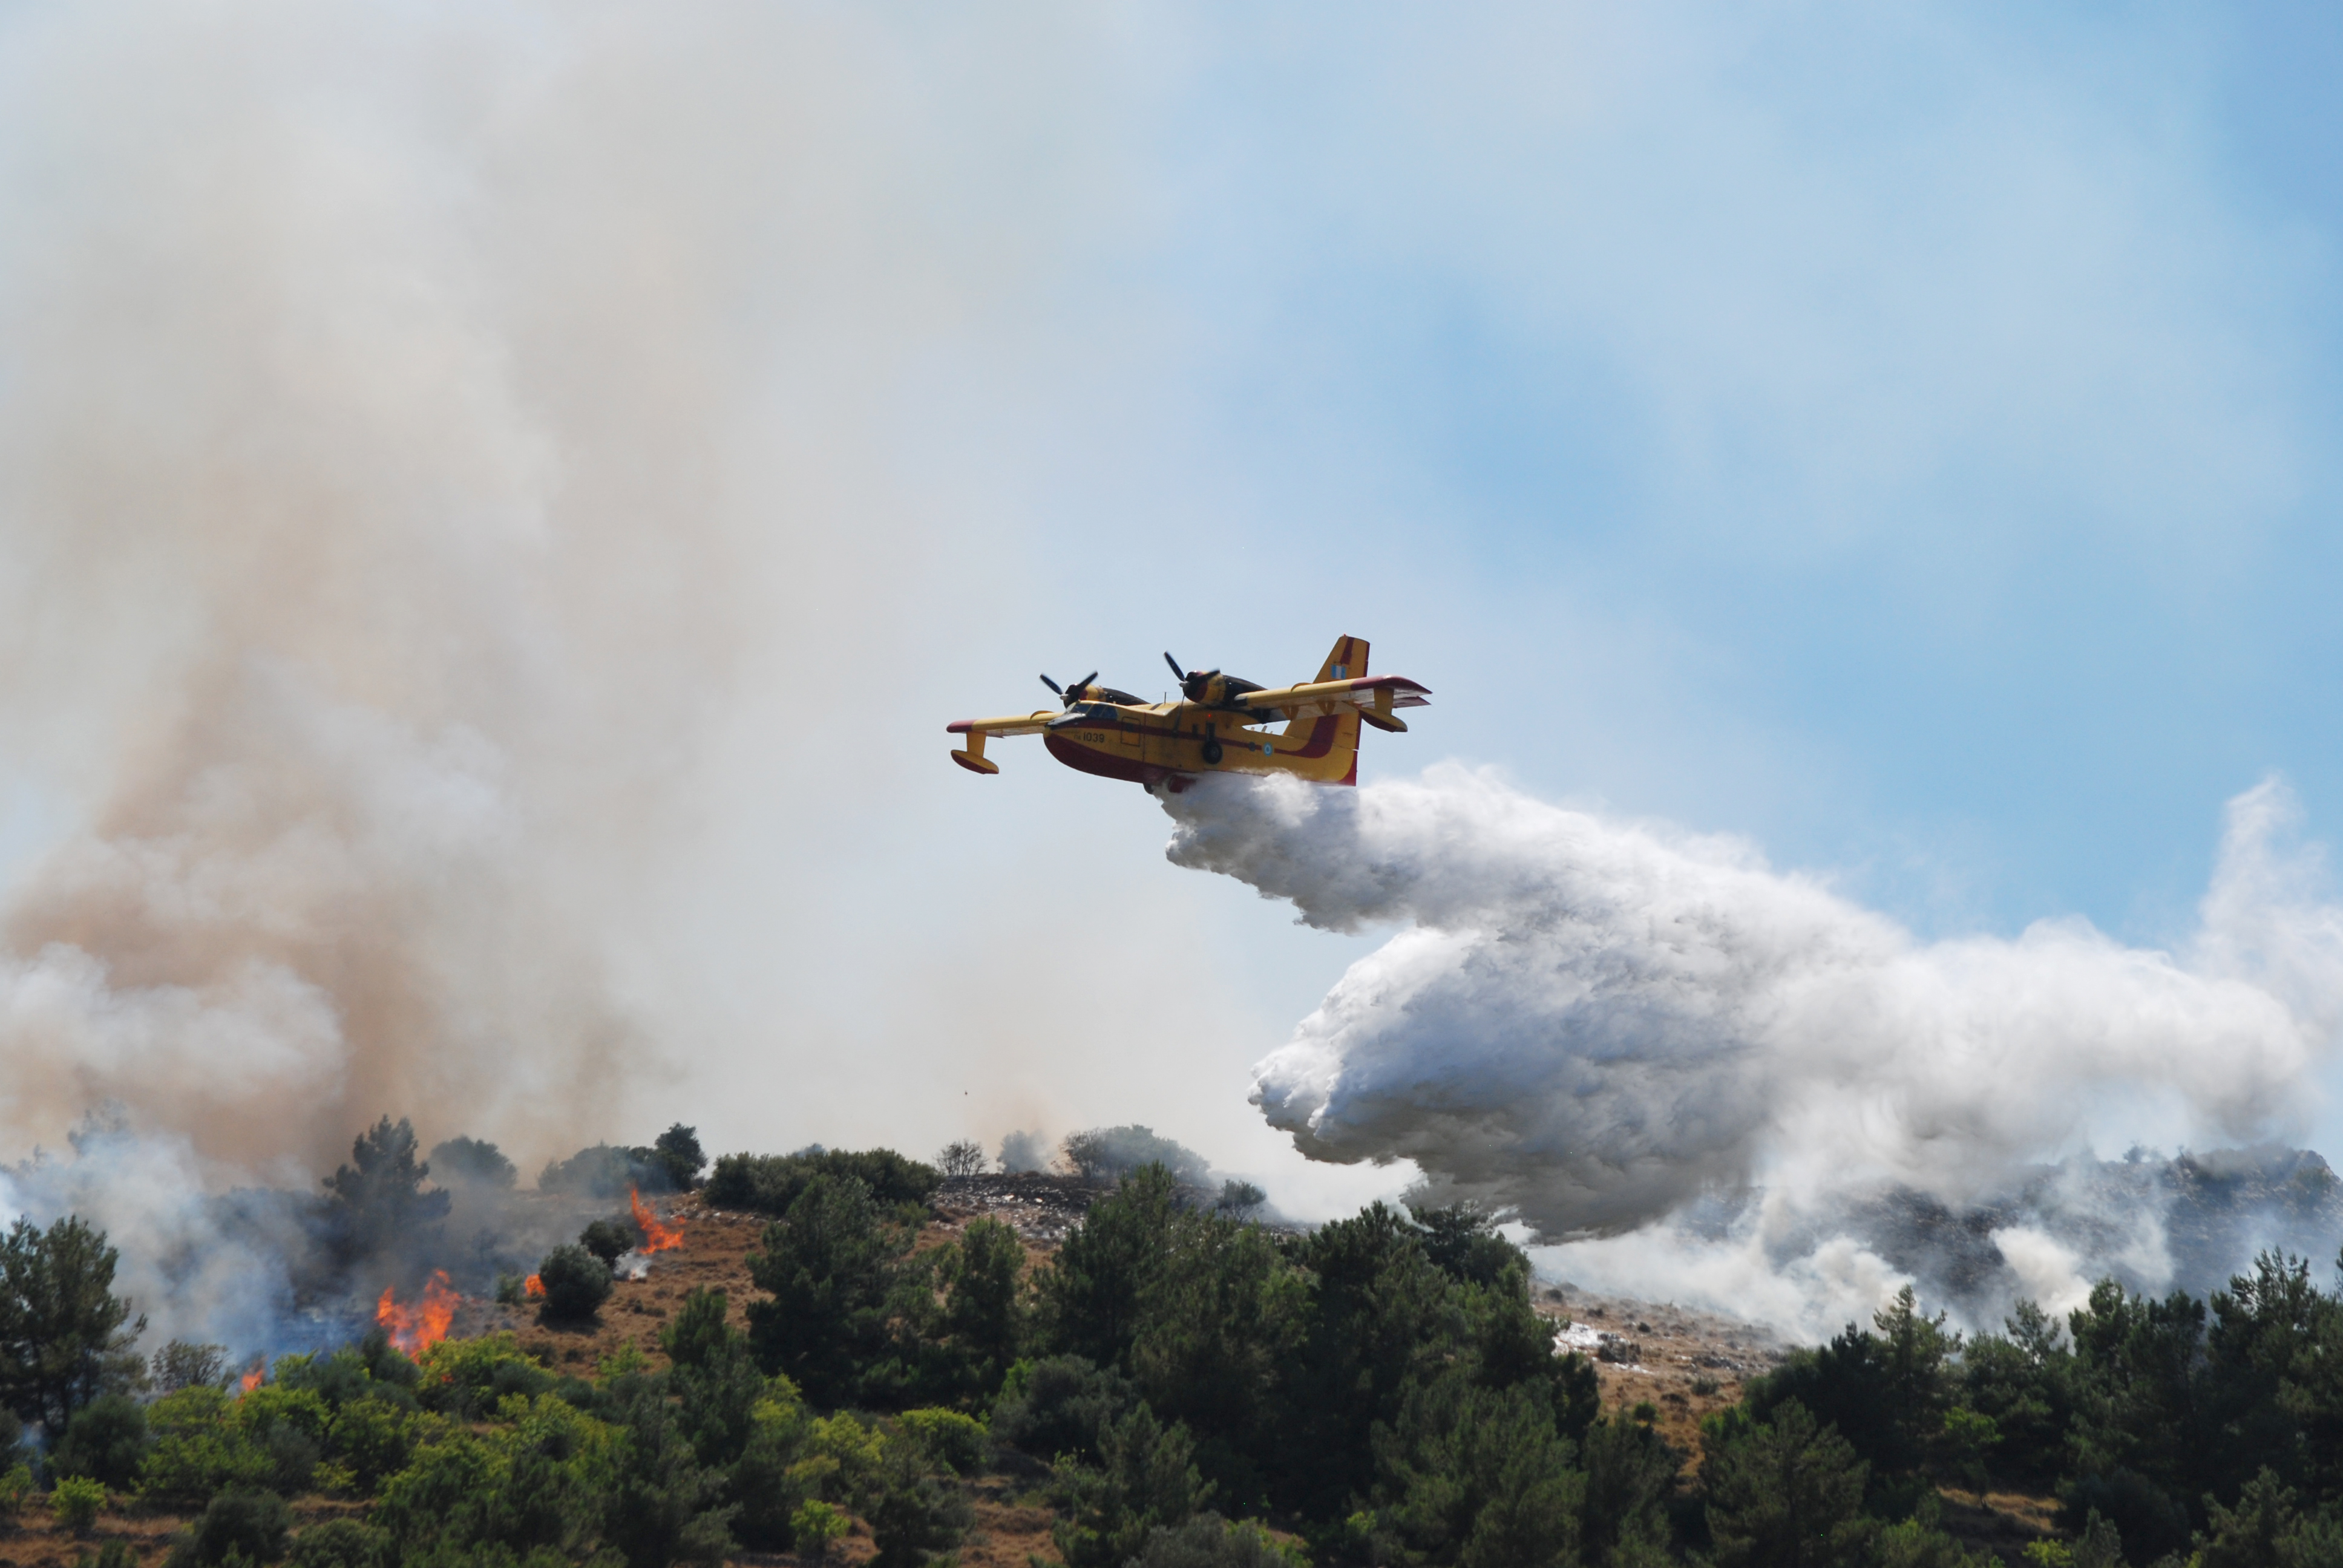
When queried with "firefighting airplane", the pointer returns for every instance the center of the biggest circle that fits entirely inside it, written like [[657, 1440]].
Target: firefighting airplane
[[1219, 726]]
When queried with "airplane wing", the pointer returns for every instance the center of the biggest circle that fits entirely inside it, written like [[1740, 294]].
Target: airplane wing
[[1374, 696], [977, 730]]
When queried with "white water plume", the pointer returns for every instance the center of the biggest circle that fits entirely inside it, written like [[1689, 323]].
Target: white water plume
[[1596, 1024]]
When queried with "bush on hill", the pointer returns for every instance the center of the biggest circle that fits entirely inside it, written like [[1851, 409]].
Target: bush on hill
[[1109, 1153], [576, 1283], [770, 1183], [469, 1162]]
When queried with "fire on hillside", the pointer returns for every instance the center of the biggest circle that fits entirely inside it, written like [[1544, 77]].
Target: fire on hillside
[[416, 1328]]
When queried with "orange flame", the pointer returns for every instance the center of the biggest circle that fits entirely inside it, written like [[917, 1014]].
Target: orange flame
[[657, 1238], [533, 1285], [251, 1380], [417, 1327]]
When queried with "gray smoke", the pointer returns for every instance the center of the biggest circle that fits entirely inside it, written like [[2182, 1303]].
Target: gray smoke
[[1617, 1029], [409, 421]]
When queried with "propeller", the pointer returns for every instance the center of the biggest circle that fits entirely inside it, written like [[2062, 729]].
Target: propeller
[[1191, 681], [1073, 693]]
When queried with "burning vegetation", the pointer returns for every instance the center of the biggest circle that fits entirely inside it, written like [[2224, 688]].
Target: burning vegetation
[[859, 1358], [416, 1327]]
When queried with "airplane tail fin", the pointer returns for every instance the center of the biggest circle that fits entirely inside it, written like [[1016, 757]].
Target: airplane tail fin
[[1334, 737], [1347, 662]]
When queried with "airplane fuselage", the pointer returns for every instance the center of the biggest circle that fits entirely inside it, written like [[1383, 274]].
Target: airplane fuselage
[[1174, 740]]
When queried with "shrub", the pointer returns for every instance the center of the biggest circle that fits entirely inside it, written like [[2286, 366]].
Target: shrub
[[1109, 1153], [678, 1151], [544, 1476], [200, 1448], [15, 1487], [512, 1291], [468, 1378], [770, 1183], [947, 1437], [386, 1363], [1240, 1200], [1781, 1490], [469, 1162], [1208, 1541], [2151, 1519], [1021, 1151], [961, 1157], [607, 1240], [1146, 1477], [180, 1364], [341, 1543], [115, 1553], [815, 1525], [671, 1164], [247, 1524], [76, 1501], [372, 1437], [106, 1441], [915, 1517], [768, 1481], [1059, 1406], [576, 1283]]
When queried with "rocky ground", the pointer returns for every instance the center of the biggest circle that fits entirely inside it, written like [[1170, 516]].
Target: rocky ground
[[1685, 1363]]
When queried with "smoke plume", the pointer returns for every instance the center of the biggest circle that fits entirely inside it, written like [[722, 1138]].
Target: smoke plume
[[410, 420], [1599, 1025]]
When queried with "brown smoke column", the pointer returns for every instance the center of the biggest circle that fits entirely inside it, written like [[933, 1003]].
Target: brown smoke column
[[381, 517]]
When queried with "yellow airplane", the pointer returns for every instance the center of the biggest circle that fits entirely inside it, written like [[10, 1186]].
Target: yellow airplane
[[1220, 725]]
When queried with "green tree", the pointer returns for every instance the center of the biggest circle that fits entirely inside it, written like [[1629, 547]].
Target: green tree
[[378, 1199], [607, 1240], [65, 1336], [2022, 1382], [1094, 1291], [576, 1283], [833, 1270], [917, 1513], [1146, 1477], [106, 1441], [2139, 1370], [1478, 1478], [1059, 1406], [661, 1506], [470, 1162], [236, 1527], [1380, 1319], [1631, 1472], [680, 1156], [1214, 1344], [1783, 1492], [983, 1321], [715, 1378]]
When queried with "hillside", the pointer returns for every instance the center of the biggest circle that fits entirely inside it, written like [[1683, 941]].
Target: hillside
[[1391, 1387]]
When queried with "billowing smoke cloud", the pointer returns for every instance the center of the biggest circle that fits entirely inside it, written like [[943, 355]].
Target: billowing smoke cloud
[[1599, 1025], [411, 424]]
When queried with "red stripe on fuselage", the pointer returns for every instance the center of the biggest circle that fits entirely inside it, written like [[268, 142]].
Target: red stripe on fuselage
[[1106, 765]]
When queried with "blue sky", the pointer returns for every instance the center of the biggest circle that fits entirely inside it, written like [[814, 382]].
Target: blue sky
[[1904, 436]]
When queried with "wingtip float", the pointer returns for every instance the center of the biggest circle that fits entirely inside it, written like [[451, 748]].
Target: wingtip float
[[1218, 724]]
